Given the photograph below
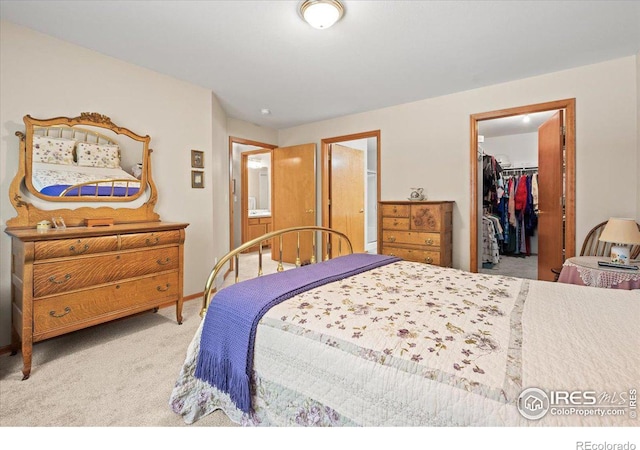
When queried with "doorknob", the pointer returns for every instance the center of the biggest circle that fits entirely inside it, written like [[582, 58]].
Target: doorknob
[[362, 210], [309, 211]]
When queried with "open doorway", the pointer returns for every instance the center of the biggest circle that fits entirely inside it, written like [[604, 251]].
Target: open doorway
[[256, 206], [351, 187], [238, 146], [546, 157], [509, 173]]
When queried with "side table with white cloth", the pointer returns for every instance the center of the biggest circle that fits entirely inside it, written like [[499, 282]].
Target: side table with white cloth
[[585, 271]]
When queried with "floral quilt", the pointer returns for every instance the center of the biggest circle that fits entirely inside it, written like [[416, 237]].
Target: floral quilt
[[387, 338], [47, 175]]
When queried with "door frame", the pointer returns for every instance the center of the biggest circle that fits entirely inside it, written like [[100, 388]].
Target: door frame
[[569, 105], [325, 172], [244, 201], [237, 140]]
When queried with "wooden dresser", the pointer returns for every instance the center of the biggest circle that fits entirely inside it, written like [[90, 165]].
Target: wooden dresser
[[65, 280], [416, 231]]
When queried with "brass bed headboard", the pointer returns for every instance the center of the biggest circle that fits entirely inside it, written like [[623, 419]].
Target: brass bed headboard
[[210, 288]]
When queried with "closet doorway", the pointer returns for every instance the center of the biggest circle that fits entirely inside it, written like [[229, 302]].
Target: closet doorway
[[351, 187], [537, 236]]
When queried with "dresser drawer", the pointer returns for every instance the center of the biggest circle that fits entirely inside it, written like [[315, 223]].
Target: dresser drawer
[[74, 247], [395, 210], [395, 223], [90, 305], [426, 217], [144, 240], [411, 237], [52, 278], [422, 256]]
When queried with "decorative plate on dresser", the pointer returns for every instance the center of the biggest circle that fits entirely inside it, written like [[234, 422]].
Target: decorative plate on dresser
[[75, 275], [418, 231]]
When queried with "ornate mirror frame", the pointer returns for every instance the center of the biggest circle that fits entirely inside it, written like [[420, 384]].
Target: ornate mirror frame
[[29, 213]]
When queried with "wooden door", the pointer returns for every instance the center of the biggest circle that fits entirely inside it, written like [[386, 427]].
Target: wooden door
[[294, 198], [550, 196], [347, 193]]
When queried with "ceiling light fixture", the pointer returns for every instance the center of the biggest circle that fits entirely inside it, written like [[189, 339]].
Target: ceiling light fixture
[[265, 111], [253, 163], [321, 14], [526, 118]]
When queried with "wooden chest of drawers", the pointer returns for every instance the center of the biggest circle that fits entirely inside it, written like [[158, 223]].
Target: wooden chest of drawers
[[416, 231], [65, 280]]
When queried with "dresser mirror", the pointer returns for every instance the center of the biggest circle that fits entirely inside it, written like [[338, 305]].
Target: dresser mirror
[[80, 168]]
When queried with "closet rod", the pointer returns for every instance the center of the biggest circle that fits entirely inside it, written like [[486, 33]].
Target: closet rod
[[520, 169]]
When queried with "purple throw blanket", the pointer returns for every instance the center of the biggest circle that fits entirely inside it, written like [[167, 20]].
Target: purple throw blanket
[[225, 359]]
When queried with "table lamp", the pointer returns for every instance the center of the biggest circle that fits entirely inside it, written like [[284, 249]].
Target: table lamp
[[622, 233]]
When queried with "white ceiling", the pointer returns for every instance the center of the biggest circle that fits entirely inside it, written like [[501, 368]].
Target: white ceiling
[[513, 125], [260, 54]]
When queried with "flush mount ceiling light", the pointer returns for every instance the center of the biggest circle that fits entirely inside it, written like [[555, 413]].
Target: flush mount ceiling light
[[254, 163], [321, 14]]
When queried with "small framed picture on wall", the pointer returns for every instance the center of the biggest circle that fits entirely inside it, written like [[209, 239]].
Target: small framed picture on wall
[[197, 179], [197, 159]]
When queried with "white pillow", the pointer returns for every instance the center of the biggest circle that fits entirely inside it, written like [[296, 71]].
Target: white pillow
[[52, 150], [98, 155]]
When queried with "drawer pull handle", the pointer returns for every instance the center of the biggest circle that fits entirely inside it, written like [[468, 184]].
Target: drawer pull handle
[[67, 277], [395, 222], [150, 242], [67, 310], [429, 241], [165, 262], [392, 239], [428, 259], [395, 209], [73, 250], [160, 289]]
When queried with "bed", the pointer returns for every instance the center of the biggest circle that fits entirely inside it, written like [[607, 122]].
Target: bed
[[77, 162], [411, 344]]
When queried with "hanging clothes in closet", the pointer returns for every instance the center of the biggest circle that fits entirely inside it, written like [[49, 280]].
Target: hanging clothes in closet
[[519, 210], [492, 228], [491, 240], [491, 182]]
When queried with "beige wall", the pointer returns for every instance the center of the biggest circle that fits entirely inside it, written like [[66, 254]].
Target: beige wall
[[46, 77], [245, 130], [426, 143]]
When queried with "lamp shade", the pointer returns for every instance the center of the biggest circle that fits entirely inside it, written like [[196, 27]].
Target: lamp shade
[[621, 231]]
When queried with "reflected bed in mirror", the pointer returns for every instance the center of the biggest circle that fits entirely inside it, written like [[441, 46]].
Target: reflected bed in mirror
[[81, 168], [79, 162], [84, 161]]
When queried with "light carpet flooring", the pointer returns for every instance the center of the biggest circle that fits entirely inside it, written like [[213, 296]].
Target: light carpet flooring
[[115, 374], [513, 266]]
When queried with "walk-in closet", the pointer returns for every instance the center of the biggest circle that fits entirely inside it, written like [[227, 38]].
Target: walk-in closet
[[508, 174]]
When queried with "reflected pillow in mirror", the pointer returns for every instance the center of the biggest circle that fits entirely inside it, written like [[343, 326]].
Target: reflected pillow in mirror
[[53, 150], [98, 155]]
